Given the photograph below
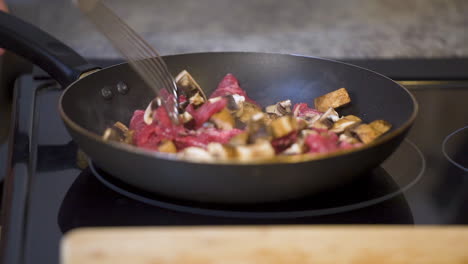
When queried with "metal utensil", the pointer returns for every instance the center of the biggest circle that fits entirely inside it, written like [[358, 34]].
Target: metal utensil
[[143, 58]]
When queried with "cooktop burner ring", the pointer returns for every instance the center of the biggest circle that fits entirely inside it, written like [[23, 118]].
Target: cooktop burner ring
[[210, 210], [444, 148]]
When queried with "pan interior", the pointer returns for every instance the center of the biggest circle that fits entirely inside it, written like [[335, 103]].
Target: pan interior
[[267, 78]]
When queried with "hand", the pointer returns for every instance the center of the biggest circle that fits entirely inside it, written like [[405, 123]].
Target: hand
[[3, 7]]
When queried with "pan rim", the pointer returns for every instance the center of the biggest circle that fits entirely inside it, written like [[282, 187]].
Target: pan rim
[[303, 158]]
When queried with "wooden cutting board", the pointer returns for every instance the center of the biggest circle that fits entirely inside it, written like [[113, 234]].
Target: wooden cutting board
[[267, 245]]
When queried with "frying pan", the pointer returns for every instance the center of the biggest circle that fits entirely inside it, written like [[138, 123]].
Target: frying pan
[[267, 78]]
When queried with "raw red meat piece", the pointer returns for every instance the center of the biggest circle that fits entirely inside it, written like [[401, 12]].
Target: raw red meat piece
[[204, 112], [137, 123], [188, 141], [230, 85], [162, 118], [303, 110], [282, 143], [163, 121], [347, 145], [205, 136], [148, 137], [322, 142], [182, 99]]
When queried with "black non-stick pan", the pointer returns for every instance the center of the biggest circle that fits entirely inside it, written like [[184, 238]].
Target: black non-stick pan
[[267, 78]]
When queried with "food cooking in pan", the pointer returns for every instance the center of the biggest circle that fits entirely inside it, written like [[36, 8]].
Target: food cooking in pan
[[229, 126]]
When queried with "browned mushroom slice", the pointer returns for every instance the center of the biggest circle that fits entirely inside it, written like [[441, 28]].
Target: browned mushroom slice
[[333, 99], [294, 149], [153, 105], [167, 146], [118, 132], [282, 126], [307, 132], [256, 128], [223, 119], [323, 124], [239, 139], [301, 124], [280, 109], [248, 110], [261, 149], [196, 99], [270, 117], [221, 152], [310, 120], [325, 121], [381, 126], [366, 133], [369, 132], [129, 137], [111, 134], [196, 154], [348, 137], [235, 102], [187, 84], [186, 117], [344, 123]]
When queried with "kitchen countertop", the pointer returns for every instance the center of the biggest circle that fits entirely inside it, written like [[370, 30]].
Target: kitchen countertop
[[327, 28]]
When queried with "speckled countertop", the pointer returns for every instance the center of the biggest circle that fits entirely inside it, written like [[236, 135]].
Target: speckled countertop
[[328, 28]]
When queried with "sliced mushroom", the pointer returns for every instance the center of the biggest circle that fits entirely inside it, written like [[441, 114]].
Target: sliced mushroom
[[348, 137], [262, 149], [333, 99], [196, 99], [323, 124], [118, 132], [221, 152], [196, 154], [301, 124], [294, 149], [325, 121], [282, 126], [280, 108], [223, 120], [248, 111], [187, 84], [344, 123], [307, 132], [365, 133], [149, 112], [167, 146], [310, 119], [330, 114], [235, 102], [257, 128], [369, 132], [215, 99], [111, 134], [381, 126], [239, 139], [186, 117], [129, 137]]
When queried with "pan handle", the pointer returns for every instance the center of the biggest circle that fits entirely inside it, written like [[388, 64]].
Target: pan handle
[[53, 56]]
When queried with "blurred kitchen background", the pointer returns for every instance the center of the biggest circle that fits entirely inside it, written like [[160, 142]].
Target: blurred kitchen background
[[327, 28]]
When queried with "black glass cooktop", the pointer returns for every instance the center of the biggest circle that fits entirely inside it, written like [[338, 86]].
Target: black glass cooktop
[[47, 193]]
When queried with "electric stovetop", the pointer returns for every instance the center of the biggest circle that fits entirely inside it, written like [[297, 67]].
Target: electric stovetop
[[51, 188]]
